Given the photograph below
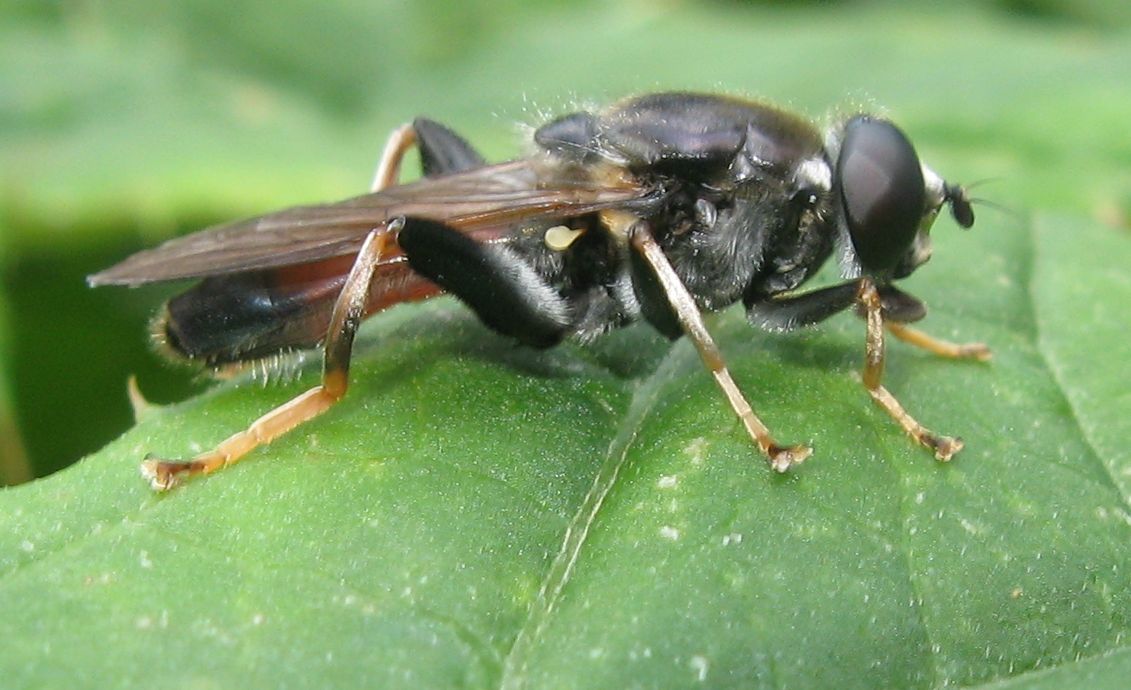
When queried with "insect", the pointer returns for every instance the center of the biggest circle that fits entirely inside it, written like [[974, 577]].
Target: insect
[[658, 208]]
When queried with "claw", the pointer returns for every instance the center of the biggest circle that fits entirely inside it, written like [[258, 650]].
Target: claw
[[945, 447], [163, 475], [978, 351], [782, 458]]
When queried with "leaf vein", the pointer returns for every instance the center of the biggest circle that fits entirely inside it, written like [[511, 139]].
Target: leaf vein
[[561, 569]]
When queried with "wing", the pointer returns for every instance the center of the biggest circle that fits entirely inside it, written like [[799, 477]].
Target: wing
[[484, 202]]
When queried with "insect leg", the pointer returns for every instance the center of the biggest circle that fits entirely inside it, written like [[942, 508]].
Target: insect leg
[[505, 292], [389, 168], [944, 447], [345, 318], [442, 152], [943, 348], [805, 309], [781, 458]]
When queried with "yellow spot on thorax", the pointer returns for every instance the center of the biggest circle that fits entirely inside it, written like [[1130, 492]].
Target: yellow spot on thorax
[[560, 237]]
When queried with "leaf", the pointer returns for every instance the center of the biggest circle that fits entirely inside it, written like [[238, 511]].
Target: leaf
[[1078, 291], [475, 515], [401, 540]]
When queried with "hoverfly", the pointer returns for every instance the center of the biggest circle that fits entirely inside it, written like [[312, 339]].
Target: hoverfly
[[657, 209]]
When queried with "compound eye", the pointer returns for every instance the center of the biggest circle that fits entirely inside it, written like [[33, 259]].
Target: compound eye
[[882, 188]]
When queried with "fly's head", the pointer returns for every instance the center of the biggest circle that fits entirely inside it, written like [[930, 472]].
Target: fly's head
[[888, 200]]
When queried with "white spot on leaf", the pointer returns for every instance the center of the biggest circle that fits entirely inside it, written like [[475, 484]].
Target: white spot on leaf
[[699, 665]]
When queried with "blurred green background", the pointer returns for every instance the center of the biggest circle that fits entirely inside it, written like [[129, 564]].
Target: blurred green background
[[124, 123]]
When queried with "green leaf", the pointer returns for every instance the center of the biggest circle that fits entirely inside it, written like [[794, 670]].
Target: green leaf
[[477, 515]]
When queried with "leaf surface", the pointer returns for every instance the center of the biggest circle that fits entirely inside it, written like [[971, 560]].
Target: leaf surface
[[477, 515]]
